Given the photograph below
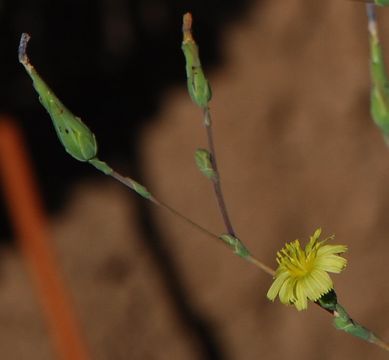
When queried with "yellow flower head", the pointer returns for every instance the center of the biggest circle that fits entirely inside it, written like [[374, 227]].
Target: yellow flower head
[[303, 274]]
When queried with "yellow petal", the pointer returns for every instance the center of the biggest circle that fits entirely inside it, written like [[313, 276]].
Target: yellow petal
[[321, 281], [301, 302], [286, 291], [331, 263], [302, 274], [310, 287], [276, 286], [331, 249]]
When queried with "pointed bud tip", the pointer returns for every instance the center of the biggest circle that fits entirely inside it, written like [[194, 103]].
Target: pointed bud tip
[[187, 27], [187, 21], [24, 39]]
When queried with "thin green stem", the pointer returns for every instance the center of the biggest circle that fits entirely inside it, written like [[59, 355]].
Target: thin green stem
[[216, 181], [128, 182], [260, 265], [186, 219]]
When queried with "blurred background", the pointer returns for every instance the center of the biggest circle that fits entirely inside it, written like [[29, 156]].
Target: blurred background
[[297, 150]]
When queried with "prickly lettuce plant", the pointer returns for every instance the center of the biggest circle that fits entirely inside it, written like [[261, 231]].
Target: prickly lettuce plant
[[302, 275]]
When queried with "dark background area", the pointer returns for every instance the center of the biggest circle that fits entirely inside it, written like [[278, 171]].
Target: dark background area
[[110, 62]]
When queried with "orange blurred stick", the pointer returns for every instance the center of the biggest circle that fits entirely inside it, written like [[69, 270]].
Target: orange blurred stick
[[33, 235]]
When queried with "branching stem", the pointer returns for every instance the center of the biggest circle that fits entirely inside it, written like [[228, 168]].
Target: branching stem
[[216, 181], [128, 182]]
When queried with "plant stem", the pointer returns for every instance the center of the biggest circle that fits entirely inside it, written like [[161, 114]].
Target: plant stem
[[260, 265], [216, 181], [128, 182], [383, 345]]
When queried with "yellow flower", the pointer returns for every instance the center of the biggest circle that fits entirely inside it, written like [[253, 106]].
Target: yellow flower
[[302, 274]]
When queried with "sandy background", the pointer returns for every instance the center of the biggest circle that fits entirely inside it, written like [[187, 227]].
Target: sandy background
[[296, 150]]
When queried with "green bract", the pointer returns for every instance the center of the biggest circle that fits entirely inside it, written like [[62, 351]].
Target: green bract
[[140, 189], [235, 243], [204, 163]]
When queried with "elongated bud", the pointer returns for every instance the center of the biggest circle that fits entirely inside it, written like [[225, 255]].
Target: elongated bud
[[198, 86], [380, 83], [204, 163], [74, 135]]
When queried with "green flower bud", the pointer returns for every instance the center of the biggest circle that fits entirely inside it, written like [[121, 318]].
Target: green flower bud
[[198, 86], [74, 135]]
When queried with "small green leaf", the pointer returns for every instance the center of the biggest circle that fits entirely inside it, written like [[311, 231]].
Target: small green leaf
[[204, 163], [101, 165], [236, 245], [140, 189]]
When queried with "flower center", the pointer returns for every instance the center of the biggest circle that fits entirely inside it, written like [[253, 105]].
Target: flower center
[[296, 261]]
